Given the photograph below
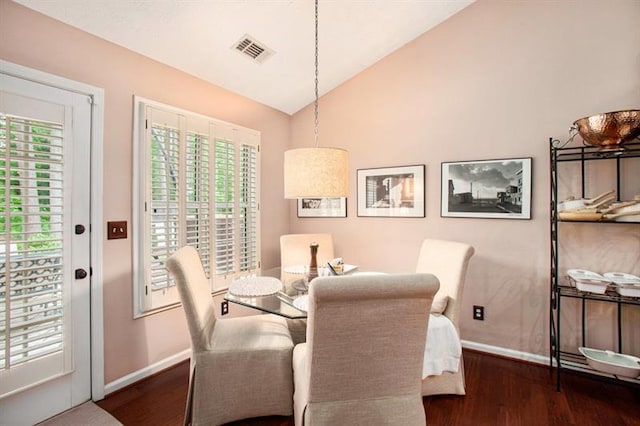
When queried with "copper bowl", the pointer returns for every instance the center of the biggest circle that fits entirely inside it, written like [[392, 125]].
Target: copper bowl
[[610, 128]]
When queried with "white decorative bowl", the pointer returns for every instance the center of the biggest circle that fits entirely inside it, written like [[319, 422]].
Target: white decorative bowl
[[625, 284], [589, 281], [628, 290], [612, 362], [622, 278]]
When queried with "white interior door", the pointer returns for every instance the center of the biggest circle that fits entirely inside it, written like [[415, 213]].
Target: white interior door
[[44, 294]]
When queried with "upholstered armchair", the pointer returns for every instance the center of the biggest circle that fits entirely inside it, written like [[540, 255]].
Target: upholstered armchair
[[240, 367], [362, 362], [448, 261]]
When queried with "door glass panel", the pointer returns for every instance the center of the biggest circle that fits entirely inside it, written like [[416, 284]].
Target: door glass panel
[[32, 288]]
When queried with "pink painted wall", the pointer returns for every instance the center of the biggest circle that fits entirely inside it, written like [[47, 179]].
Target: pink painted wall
[[30, 39], [494, 81]]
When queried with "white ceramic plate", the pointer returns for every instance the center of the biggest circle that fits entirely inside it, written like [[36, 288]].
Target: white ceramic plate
[[612, 362], [302, 302]]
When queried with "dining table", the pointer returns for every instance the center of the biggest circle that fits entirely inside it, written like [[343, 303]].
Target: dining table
[[278, 303], [268, 294], [441, 348]]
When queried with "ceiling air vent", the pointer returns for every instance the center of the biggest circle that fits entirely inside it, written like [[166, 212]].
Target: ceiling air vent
[[251, 47]]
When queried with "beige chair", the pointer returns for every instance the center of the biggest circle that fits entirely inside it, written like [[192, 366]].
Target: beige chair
[[362, 362], [295, 251], [240, 367], [447, 260]]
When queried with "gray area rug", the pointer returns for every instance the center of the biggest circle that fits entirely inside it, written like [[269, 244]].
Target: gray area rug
[[83, 415]]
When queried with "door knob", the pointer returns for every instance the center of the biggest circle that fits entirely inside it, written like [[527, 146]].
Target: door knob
[[80, 274]]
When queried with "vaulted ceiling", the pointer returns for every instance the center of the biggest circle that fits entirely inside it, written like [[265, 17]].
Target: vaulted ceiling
[[200, 37]]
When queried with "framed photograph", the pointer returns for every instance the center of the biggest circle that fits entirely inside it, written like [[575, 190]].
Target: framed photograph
[[391, 191], [487, 189], [322, 207]]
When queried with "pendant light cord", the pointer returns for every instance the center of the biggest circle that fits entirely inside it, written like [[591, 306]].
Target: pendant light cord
[[315, 105]]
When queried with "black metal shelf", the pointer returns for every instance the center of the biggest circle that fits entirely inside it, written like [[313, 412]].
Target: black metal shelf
[[577, 362], [560, 153], [596, 221], [608, 296], [589, 152]]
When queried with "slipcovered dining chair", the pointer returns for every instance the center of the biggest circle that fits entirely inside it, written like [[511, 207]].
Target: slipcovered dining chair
[[240, 367], [448, 261], [295, 251], [362, 362]]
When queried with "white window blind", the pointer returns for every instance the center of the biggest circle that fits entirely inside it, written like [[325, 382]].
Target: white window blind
[[198, 186], [32, 288], [248, 214]]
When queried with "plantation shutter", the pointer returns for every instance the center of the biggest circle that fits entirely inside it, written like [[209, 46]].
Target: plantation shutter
[[236, 173], [248, 217], [200, 187], [163, 131], [198, 191], [33, 291], [225, 209]]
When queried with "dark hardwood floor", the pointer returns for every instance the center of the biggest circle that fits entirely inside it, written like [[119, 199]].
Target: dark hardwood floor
[[499, 392]]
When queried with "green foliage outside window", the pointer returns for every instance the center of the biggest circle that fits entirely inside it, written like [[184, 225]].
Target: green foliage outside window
[[14, 195]]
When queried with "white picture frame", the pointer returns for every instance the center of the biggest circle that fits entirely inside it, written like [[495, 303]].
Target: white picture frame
[[322, 207]]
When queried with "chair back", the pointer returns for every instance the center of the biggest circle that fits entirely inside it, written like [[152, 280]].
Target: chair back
[[447, 260], [366, 337], [186, 268], [294, 249]]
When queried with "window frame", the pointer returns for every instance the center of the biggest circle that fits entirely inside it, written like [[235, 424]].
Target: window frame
[[216, 130]]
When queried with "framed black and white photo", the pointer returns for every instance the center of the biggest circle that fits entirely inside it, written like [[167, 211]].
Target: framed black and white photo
[[322, 207], [391, 191], [487, 189]]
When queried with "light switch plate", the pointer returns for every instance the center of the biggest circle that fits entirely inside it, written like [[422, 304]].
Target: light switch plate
[[116, 230]]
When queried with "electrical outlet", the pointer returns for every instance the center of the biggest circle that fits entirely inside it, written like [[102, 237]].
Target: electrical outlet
[[224, 307], [478, 313]]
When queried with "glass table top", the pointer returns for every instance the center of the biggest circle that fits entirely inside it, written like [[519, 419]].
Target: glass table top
[[278, 303], [281, 303]]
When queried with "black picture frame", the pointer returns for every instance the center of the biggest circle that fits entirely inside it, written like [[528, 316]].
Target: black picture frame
[[391, 191], [496, 189]]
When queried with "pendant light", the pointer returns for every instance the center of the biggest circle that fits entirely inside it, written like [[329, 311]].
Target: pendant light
[[316, 172]]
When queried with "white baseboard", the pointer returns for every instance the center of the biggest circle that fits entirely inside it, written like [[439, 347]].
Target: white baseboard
[[146, 372], [181, 356], [509, 353]]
